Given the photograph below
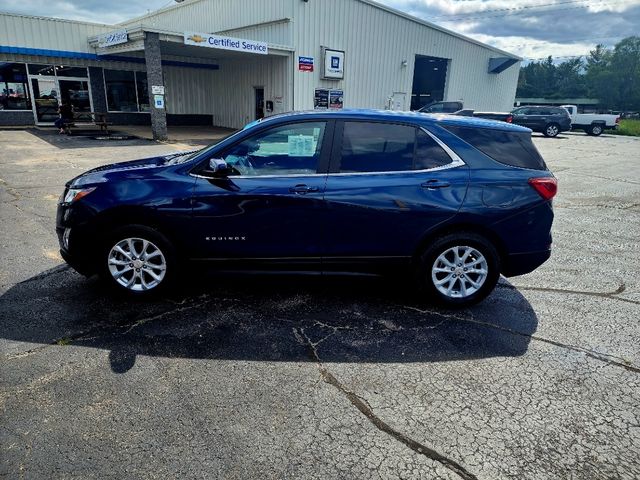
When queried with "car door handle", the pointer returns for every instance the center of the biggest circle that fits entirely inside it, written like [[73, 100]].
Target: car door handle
[[435, 184], [303, 189]]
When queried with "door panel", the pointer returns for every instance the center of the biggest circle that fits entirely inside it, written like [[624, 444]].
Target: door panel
[[272, 206], [388, 215]]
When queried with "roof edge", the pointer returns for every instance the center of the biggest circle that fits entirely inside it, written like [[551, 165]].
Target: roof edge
[[57, 19], [160, 10]]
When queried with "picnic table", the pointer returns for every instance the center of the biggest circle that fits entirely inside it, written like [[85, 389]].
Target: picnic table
[[99, 119]]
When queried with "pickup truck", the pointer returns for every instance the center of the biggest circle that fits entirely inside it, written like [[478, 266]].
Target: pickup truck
[[592, 123]]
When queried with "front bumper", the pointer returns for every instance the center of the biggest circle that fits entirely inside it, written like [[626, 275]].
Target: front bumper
[[76, 252]]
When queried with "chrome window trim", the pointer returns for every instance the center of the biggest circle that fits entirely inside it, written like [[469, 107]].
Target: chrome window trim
[[456, 162]]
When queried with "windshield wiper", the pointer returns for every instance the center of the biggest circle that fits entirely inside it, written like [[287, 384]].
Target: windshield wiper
[[180, 157]]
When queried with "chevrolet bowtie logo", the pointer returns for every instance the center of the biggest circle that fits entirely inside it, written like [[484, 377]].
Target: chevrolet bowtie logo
[[197, 38]]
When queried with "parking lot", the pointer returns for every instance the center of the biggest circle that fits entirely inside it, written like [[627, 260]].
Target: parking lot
[[277, 377]]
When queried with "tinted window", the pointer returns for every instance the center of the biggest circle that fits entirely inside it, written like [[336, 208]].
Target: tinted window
[[560, 111], [510, 148], [292, 149], [428, 153], [377, 147]]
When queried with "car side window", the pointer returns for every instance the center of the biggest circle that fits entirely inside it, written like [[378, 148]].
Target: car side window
[[292, 149], [377, 147], [428, 153]]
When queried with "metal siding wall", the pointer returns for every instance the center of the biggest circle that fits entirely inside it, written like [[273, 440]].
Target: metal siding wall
[[232, 93], [376, 42], [215, 15], [188, 90], [48, 33]]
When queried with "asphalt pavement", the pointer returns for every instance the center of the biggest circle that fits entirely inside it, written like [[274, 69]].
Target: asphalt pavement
[[279, 377]]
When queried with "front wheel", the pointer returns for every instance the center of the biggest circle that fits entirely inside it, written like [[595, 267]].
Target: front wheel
[[551, 130], [138, 260], [459, 269]]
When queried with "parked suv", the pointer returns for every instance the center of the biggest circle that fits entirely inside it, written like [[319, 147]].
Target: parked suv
[[442, 107], [547, 120], [454, 201]]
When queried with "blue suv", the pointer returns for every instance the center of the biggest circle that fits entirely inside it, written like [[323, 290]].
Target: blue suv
[[455, 201]]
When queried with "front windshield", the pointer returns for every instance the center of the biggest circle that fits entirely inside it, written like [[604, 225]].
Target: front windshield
[[182, 157]]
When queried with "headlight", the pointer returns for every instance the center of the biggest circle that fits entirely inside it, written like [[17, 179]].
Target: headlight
[[75, 194]]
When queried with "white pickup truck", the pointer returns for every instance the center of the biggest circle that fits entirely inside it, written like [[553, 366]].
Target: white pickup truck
[[592, 123]]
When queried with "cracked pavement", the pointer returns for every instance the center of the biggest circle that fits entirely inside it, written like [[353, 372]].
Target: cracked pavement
[[279, 377]]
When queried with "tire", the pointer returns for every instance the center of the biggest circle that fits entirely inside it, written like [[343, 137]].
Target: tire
[[138, 261], [438, 259], [551, 130], [595, 130]]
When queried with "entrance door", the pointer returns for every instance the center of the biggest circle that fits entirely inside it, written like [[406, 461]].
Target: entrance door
[[45, 99], [76, 94], [259, 101]]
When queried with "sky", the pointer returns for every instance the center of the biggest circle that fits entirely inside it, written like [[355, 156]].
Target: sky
[[532, 29]]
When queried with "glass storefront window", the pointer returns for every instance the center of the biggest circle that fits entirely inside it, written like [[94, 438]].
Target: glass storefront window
[[14, 91], [66, 71], [39, 69], [121, 91], [126, 91], [143, 91]]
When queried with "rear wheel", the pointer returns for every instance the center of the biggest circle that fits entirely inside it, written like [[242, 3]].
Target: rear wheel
[[138, 261], [595, 130], [551, 130], [459, 269]]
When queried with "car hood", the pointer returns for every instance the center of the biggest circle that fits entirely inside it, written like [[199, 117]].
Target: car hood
[[133, 169]]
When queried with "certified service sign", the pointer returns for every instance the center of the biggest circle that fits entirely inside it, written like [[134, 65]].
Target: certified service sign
[[113, 38], [226, 43]]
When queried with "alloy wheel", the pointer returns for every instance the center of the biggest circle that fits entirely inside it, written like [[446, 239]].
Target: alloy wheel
[[552, 130], [459, 272], [137, 264]]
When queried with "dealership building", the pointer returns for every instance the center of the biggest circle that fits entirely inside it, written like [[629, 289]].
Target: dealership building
[[226, 63]]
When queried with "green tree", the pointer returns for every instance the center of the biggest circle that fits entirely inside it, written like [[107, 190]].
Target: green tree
[[610, 75]]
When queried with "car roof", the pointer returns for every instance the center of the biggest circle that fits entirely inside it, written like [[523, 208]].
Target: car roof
[[394, 116]]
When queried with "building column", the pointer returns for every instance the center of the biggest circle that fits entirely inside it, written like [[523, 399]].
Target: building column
[[153, 60]]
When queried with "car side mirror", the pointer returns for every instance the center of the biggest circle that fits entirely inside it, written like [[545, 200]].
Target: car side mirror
[[218, 168]]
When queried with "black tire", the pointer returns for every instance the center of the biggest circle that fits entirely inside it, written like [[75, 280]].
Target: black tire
[[156, 239], [595, 130], [551, 130], [443, 244]]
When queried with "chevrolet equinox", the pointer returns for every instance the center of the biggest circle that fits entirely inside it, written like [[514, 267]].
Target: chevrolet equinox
[[452, 201]]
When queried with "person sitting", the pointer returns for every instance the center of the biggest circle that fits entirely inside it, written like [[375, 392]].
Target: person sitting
[[66, 116]]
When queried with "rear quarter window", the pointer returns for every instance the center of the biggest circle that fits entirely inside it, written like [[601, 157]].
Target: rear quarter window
[[509, 148]]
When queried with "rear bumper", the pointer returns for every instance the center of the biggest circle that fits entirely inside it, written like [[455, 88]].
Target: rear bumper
[[522, 263]]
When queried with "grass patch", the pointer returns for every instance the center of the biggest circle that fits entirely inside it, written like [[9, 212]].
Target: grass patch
[[629, 127]]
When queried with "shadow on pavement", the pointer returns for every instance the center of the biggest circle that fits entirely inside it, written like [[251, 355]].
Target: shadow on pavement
[[85, 139], [265, 318]]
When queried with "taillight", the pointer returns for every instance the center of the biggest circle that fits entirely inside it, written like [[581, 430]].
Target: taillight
[[509, 119], [546, 187]]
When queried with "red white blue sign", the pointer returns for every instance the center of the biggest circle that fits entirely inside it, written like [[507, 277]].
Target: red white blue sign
[[305, 64]]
